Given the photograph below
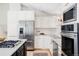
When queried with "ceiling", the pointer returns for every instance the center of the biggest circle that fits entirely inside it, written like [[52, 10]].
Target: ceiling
[[44, 8]]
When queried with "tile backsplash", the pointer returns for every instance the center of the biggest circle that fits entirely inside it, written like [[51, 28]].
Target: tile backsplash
[[45, 31]]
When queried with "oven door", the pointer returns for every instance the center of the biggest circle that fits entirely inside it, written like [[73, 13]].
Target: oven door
[[68, 46]]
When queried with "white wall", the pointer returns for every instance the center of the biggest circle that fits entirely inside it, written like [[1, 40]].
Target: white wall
[[4, 7], [13, 21], [14, 6]]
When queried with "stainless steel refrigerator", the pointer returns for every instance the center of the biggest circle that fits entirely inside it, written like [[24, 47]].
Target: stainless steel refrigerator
[[26, 31]]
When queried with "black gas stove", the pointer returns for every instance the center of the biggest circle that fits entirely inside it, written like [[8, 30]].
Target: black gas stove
[[8, 44]]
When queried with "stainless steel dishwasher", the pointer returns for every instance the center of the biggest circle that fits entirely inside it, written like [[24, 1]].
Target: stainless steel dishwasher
[[26, 31], [55, 49]]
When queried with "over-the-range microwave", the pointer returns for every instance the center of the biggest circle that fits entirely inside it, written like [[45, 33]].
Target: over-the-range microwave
[[70, 14]]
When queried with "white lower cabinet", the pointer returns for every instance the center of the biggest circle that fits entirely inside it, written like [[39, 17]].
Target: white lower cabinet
[[43, 42]]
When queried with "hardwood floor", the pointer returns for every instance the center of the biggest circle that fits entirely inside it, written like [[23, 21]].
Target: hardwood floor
[[39, 52]]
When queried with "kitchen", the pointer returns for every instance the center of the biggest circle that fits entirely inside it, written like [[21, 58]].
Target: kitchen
[[34, 29]]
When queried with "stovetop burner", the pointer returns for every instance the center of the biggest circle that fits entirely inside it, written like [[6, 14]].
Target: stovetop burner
[[8, 44]]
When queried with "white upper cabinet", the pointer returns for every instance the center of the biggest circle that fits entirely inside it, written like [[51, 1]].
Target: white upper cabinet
[[46, 22], [13, 20]]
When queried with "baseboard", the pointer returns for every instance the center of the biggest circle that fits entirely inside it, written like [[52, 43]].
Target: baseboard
[[30, 49]]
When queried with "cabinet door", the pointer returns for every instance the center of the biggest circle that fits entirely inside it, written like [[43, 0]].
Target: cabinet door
[[46, 22], [42, 42], [47, 43], [36, 42]]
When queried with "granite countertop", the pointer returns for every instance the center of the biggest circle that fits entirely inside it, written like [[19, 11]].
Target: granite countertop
[[10, 51]]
